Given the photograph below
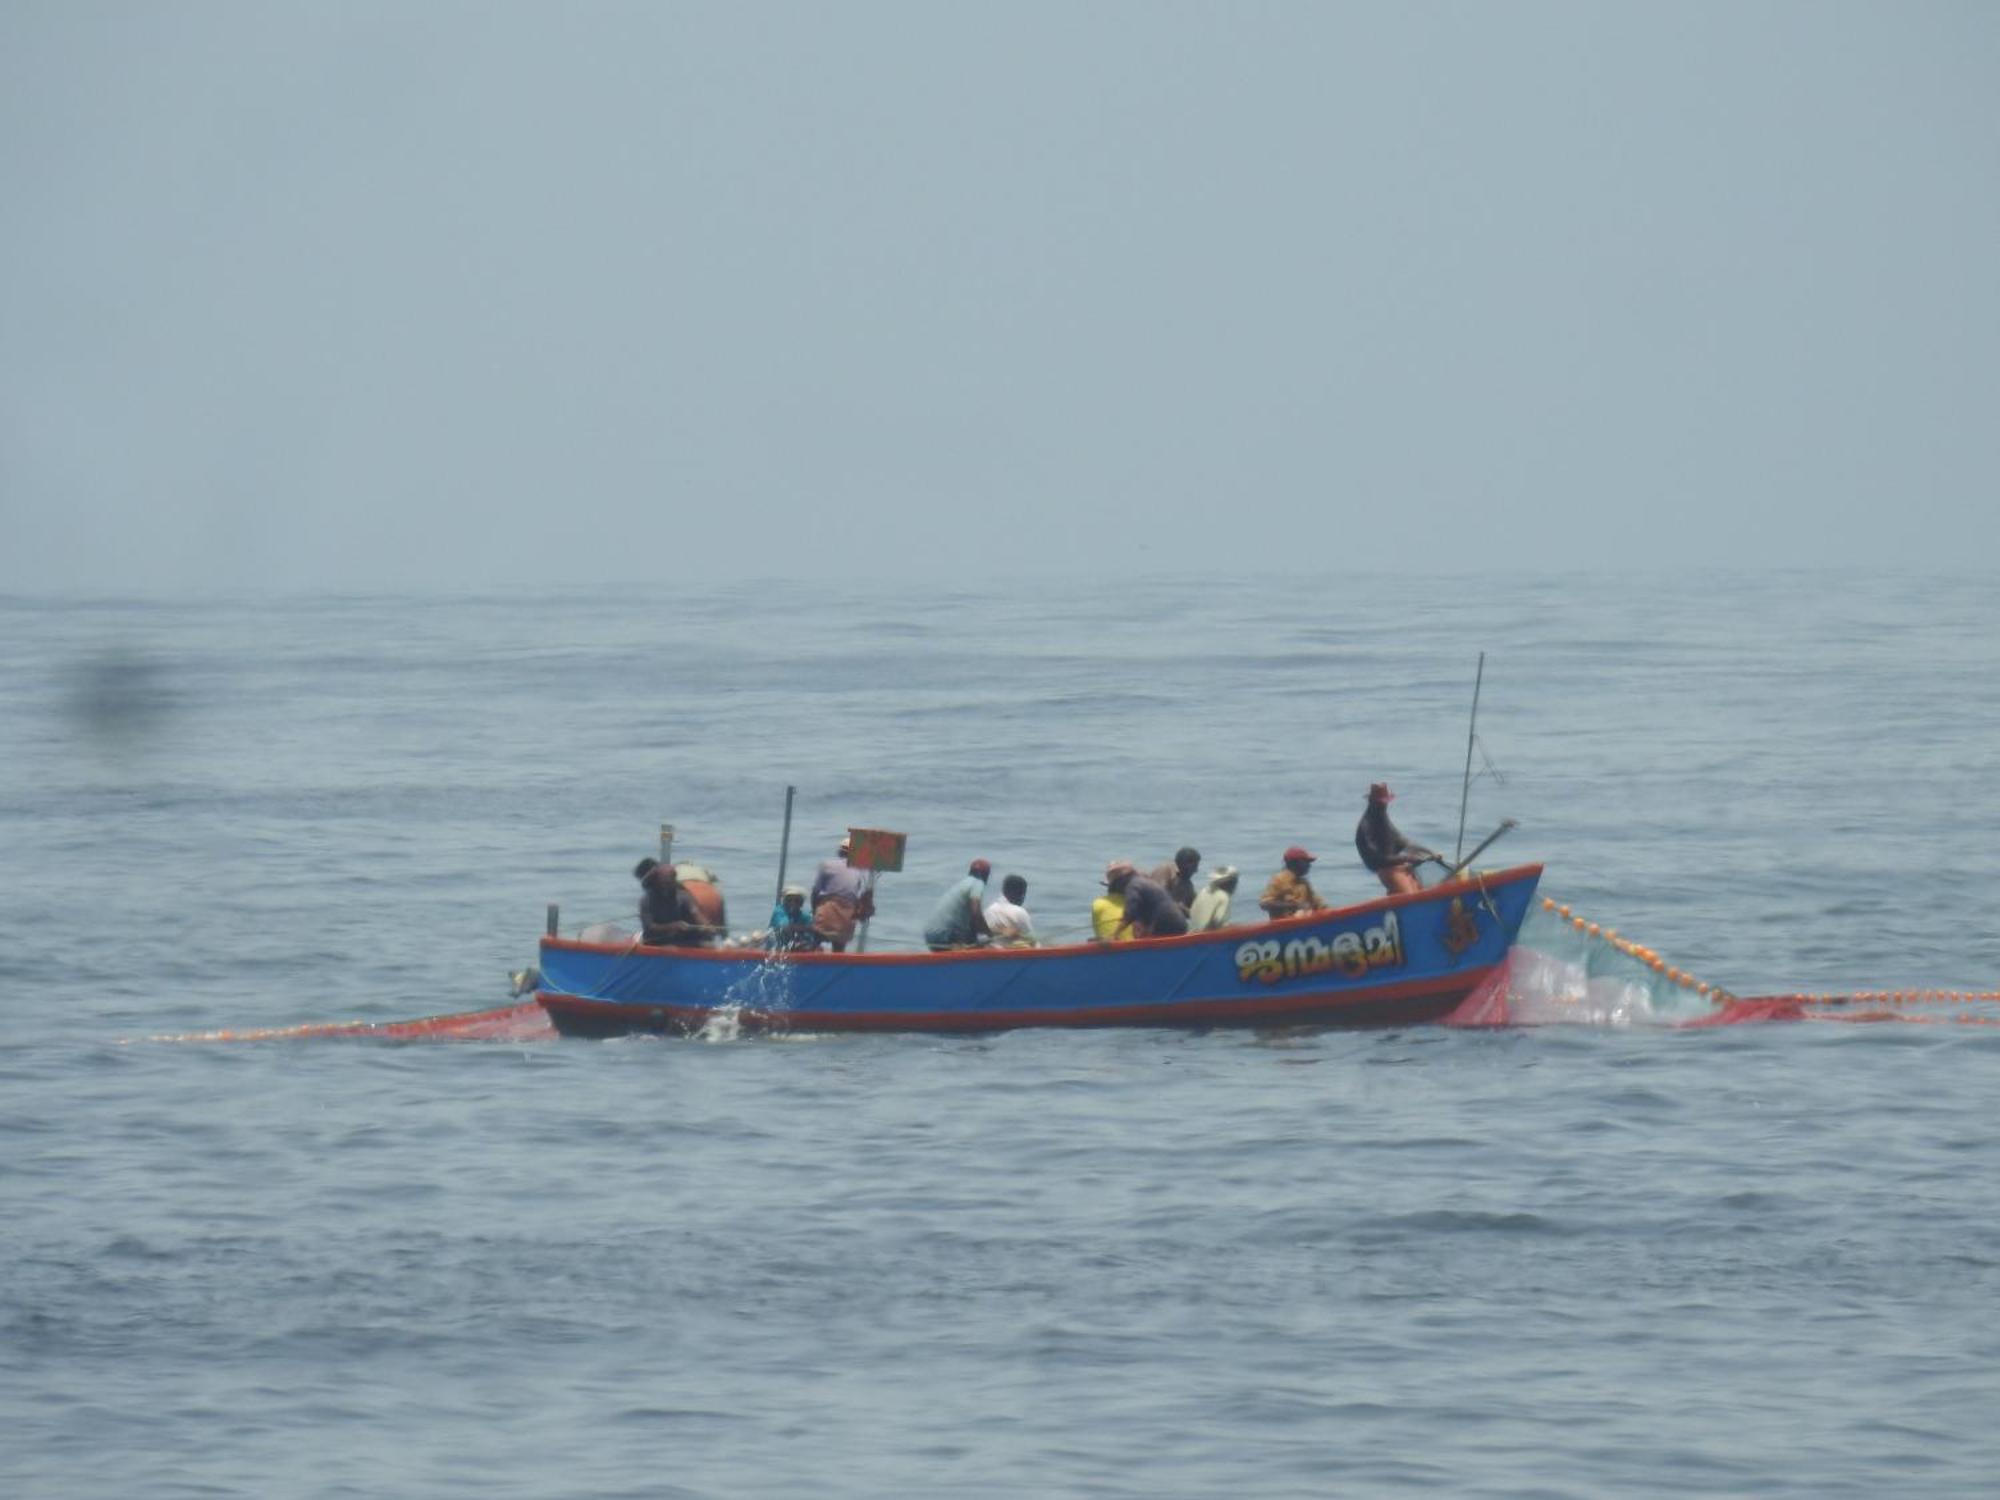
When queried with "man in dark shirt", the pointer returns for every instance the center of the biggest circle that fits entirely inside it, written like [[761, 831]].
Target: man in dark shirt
[[1383, 849], [668, 915], [1150, 909], [1178, 877]]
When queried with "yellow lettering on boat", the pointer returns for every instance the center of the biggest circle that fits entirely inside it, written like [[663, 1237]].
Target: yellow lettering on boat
[[1385, 943], [1260, 960], [1353, 955]]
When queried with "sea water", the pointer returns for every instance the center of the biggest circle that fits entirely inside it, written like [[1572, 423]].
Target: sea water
[[1555, 1261]]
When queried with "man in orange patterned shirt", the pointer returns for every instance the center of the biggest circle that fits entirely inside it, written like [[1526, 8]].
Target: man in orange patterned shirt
[[1289, 892]]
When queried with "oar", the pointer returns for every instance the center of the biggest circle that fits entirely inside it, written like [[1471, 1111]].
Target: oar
[[1452, 872]]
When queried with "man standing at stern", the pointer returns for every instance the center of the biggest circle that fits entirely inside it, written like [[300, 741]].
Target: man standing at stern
[[1393, 858]]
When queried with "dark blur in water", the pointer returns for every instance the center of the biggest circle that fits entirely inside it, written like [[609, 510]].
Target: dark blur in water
[[1552, 1262]]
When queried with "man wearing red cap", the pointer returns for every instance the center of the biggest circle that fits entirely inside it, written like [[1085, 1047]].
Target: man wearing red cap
[[960, 918], [1289, 892], [1393, 858]]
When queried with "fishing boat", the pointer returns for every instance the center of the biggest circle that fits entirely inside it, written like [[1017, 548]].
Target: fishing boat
[[1396, 961]]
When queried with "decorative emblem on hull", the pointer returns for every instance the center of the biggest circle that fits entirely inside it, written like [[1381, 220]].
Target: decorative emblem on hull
[[1461, 928]]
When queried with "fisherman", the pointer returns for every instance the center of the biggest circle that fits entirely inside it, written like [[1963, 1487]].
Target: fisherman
[[840, 898], [1393, 858], [960, 921], [1289, 892], [668, 915], [1107, 912], [1177, 875], [704, 887], [1150, 909], [1007, 918], [791, 924], [1211, 907]]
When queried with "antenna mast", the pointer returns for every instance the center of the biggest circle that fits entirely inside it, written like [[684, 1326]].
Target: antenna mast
[[1465, 787]]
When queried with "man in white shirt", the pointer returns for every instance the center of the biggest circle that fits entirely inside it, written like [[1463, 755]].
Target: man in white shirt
[[1211, 907], [1008, 919]]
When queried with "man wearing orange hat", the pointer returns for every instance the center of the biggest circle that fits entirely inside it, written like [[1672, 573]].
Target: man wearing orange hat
[[1393, 858], [1289, 892]]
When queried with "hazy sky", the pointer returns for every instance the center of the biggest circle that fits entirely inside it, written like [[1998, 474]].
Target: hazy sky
[[372, 295]]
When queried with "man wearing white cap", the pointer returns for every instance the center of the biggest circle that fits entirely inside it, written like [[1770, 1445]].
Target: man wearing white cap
[[791, 925], [1211, 907]]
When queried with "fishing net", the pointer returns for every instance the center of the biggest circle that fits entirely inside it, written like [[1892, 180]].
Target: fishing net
[[1565, 969]]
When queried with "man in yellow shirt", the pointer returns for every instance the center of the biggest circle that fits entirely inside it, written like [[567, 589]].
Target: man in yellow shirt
[[1107, 912]]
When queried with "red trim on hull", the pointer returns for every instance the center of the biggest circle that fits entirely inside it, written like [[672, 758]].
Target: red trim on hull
[[1411, 1003]]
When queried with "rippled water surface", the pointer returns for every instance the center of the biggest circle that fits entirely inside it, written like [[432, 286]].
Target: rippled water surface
[[1559, 1261]]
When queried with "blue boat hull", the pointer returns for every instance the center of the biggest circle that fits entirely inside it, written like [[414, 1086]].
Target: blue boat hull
[[1397, 961]]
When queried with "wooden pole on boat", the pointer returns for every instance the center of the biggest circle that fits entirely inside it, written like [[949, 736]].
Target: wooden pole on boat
[[874, 850], [1465, 787], [666, 843], [784, 847], [555, 920]]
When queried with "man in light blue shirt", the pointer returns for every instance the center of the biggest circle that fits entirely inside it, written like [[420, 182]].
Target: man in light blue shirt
[[960, 920]]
